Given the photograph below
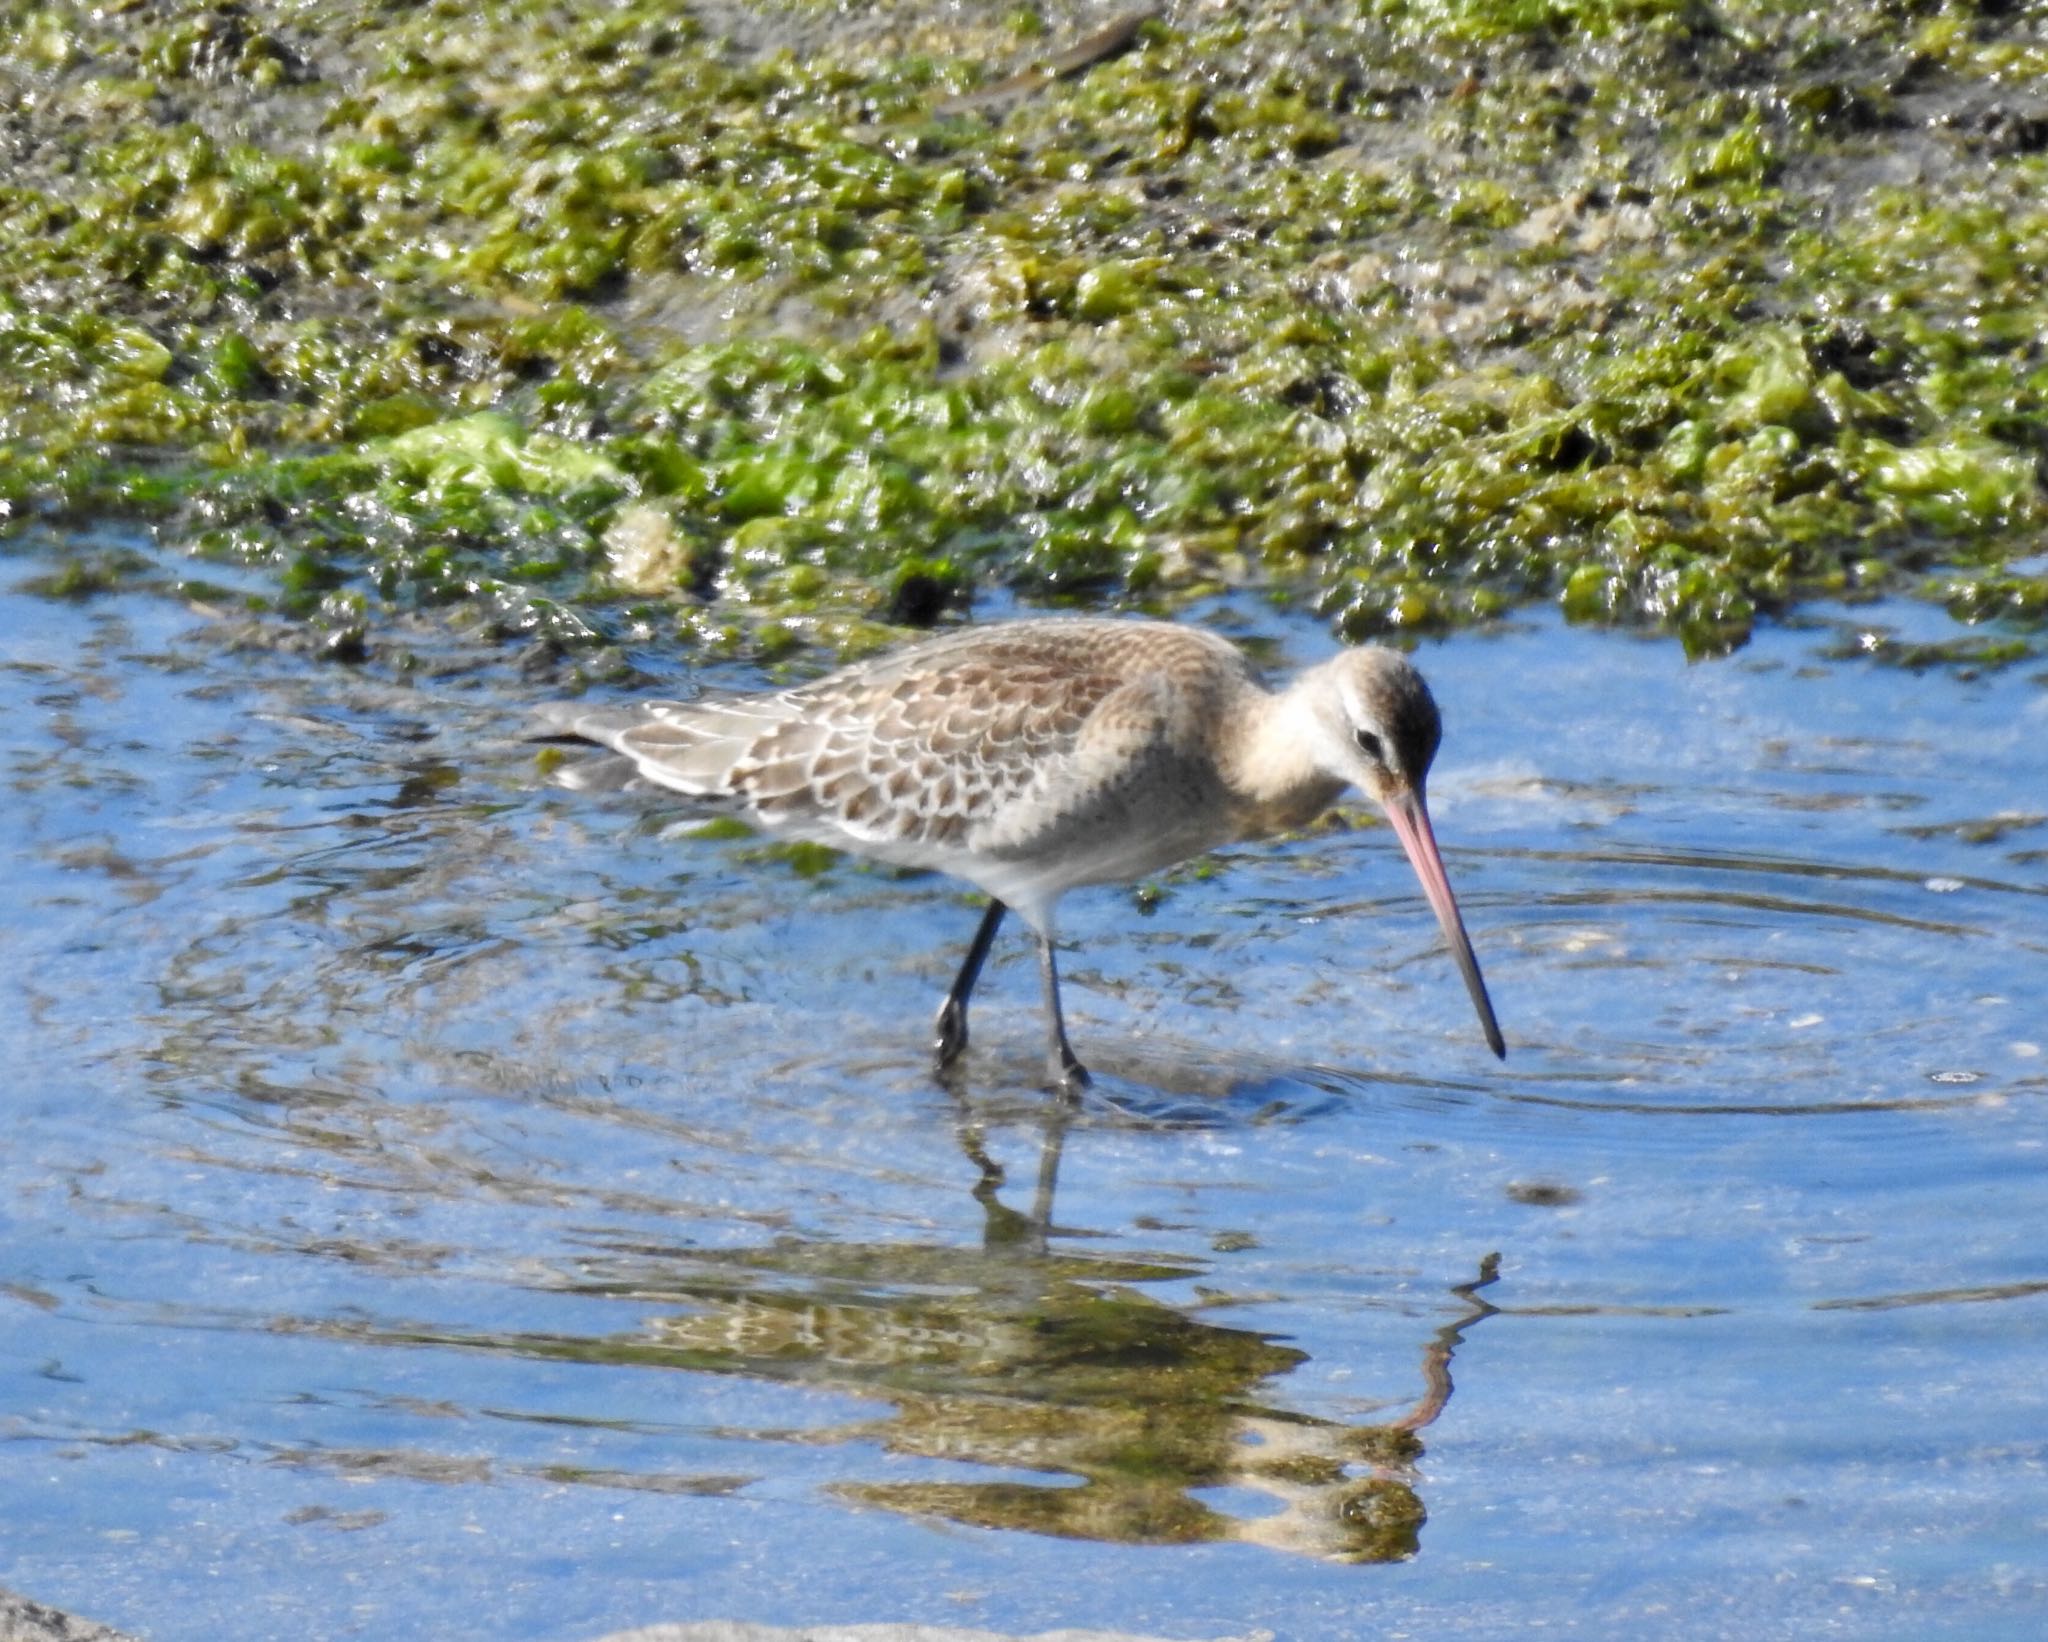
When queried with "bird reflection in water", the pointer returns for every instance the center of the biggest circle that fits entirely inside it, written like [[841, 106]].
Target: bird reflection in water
[[1033, 1359]]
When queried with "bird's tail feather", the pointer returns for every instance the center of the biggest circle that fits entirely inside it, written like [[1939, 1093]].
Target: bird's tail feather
[[688, 747]]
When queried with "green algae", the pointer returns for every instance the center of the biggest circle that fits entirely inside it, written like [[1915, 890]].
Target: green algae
[[582, 322]]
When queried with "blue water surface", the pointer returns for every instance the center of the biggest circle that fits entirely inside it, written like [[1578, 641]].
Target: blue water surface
[[435, 1203]]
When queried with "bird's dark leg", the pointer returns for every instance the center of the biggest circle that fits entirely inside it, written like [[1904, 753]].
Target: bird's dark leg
[[949, 1031], [1069, 1076]]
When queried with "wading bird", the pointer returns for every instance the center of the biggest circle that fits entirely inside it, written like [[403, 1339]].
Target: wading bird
[[1028, 757]]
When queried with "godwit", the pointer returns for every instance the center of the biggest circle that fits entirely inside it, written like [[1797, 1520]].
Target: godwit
[[1031, 756]]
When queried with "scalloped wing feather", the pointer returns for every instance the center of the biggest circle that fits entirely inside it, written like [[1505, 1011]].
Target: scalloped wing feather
[[1005, 742]]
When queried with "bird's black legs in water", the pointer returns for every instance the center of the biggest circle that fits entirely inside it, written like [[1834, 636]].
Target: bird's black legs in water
[[950, 1030], [1069, 1076]]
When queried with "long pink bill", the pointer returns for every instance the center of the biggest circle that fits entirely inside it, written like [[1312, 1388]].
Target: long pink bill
[[1411, 826]]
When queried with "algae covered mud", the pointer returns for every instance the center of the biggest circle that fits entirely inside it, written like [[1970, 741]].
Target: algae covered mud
[[748, 327]]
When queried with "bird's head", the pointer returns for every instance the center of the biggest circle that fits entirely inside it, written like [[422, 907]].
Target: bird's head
[[1376, 728]]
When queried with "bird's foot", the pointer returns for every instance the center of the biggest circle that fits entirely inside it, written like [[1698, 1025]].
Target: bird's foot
[[949, 1034], [1069, 1076]]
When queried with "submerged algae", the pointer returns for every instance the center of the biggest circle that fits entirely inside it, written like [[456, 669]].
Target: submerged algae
[[1671, 313]]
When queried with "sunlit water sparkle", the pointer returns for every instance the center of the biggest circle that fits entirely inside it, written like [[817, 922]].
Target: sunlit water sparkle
[[435, 1203]]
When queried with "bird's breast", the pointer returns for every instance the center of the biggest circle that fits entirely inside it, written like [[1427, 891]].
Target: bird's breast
[[1289, 810]]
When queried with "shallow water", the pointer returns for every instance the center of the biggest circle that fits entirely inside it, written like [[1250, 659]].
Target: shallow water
[[436, 1203]]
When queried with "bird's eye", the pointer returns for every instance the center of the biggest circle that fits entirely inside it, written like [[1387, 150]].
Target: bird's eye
[[1369, 744]]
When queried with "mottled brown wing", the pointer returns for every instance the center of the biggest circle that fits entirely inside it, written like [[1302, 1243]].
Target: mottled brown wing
[[1011, 740], [930, 754]]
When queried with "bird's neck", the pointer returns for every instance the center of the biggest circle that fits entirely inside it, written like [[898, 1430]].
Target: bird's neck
[[1272, 768]]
